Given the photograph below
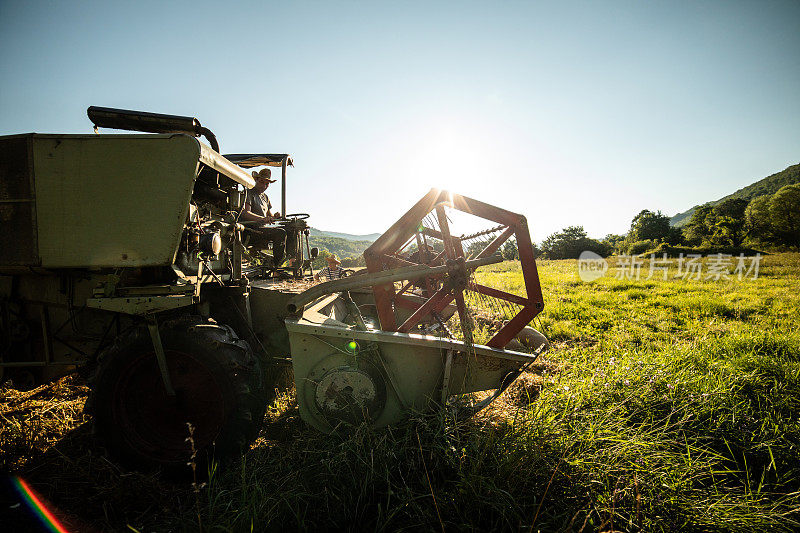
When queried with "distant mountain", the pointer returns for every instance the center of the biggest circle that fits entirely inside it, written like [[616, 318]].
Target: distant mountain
[[350, 252], [371, 237], [768, 185]]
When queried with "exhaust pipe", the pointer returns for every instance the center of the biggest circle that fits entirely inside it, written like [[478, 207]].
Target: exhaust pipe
[[125, 119]]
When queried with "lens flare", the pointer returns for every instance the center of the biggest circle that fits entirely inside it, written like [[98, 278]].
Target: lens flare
[[34, 502]]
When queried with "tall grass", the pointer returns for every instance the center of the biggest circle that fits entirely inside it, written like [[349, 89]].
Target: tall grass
[[670, 405], [663, 406]]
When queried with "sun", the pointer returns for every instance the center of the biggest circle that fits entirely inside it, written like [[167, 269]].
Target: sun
[[449, 159]]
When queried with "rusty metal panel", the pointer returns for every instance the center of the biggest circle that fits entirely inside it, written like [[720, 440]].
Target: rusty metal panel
[[18, 244]]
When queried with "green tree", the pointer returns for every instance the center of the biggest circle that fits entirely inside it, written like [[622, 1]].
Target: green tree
[[675, 236], [649, 225], [728, 222], [699, 228], [353, 262], [570, 242], [784, 211], [758, 224], [473, 248], [509, 250], [614, 242]]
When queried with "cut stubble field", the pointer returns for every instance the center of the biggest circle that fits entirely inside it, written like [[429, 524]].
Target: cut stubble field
[[663, 405]]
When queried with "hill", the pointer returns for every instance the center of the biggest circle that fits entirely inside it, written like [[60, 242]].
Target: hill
[[344, 248], [768, 185], [314, 232]]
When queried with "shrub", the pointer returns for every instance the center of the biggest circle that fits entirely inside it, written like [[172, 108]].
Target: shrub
[[640, 247], [675, 251]]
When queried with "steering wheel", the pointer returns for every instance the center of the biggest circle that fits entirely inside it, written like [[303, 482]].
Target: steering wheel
[[296, 216]]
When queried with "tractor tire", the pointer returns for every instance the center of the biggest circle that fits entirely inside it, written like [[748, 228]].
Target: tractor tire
[[219, 389]]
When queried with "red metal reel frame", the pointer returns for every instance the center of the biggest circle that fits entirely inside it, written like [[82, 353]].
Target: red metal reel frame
[[384, 254]]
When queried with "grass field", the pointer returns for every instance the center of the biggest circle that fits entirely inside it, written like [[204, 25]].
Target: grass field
[[663, 405]]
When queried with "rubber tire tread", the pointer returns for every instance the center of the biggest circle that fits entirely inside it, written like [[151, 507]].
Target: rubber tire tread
[[222, 351]]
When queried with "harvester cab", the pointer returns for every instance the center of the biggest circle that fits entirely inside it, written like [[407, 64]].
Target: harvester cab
[[126, 255], [218, 199]]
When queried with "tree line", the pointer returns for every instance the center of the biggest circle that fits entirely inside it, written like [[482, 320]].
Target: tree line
[[768, 221]]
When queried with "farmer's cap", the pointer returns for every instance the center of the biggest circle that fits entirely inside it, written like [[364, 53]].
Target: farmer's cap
[[333, 259], [264, 173]]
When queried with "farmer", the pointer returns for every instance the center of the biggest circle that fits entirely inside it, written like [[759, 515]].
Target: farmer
[[332, 271], [257, 208]]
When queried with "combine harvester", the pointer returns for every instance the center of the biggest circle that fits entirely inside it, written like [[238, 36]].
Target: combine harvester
[[125, 254]]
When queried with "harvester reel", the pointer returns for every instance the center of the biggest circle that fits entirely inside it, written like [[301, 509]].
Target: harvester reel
[[424, 236], [350, 374]]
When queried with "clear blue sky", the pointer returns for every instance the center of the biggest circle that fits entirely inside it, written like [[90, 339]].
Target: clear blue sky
[[571, 113]]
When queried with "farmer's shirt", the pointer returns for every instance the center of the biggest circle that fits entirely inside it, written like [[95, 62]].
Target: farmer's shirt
[[329, 273], [259, 203]]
